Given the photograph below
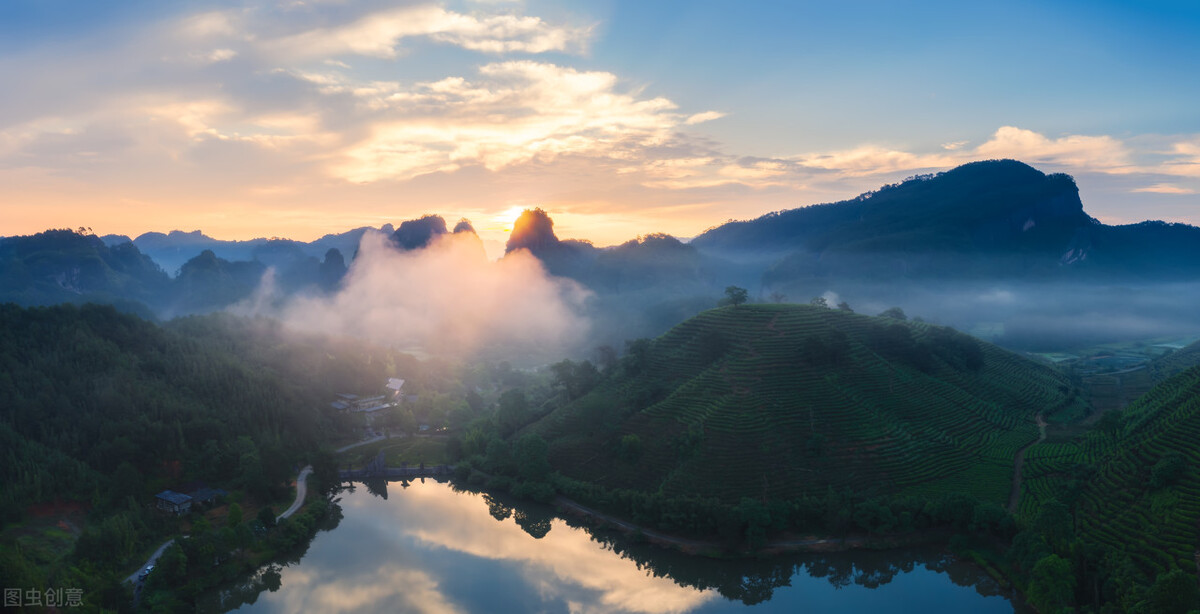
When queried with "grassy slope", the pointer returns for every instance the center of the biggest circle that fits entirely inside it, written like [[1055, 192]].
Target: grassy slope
[[732, 404], [1117, 506]]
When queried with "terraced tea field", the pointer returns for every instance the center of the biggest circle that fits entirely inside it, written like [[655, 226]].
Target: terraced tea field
[[784, 400], [1120, 506]]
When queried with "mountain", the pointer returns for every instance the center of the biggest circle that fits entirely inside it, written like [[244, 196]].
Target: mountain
[[418, 233], [534, 231], [996, 247], [782, 401], [173, 249], [999, 217], [63, 266], [207, 283]]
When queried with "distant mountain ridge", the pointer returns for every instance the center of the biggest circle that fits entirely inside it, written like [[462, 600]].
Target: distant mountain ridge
[[171, 250], [64, 266], [996, 217], [968, 230]]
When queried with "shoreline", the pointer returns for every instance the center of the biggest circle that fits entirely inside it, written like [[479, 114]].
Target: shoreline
[[719, 549]]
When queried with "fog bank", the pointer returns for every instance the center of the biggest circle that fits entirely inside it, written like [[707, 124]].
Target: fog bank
[[448, 298]]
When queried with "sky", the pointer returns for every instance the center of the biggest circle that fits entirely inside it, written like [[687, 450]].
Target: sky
[[299, 118]]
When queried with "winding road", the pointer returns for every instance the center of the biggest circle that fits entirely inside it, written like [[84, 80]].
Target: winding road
[[301, 491], [361, 443], [133, 577]]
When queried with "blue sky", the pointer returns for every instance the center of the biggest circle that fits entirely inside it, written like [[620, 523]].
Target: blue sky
[[296, 118]]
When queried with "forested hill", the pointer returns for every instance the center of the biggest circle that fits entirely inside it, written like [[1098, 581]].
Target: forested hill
[[61, 266], [993, 217], [1125, 498], [97, 406], [995, 206], [782, 401], [67, 266]]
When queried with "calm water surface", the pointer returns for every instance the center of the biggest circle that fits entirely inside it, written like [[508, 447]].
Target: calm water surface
[[428, 548]]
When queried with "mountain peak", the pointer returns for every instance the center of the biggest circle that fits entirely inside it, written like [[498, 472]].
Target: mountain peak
[[415, 234], [533, 230]]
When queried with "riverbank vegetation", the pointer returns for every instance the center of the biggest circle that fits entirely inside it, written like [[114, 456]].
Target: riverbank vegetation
[[99, 411]]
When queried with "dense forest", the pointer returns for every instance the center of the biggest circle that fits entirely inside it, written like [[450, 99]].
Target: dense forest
[[100, 410]]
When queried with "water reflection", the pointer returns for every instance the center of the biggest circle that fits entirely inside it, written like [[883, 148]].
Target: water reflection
[[430, 548]]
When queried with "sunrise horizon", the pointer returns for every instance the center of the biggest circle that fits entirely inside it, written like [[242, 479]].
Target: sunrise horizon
[[254, 119]]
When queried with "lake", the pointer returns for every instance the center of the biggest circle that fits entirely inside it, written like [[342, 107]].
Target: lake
[[430, 548]]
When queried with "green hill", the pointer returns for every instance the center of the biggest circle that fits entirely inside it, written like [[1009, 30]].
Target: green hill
[[64, 266], [1175, 362], [789, 400], [1132, 483]]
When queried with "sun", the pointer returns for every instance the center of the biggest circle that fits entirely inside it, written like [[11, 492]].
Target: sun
[[508, 217]]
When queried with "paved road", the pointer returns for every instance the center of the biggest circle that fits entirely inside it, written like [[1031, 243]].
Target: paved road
[[360, 443], [133, 578], [301, 491]]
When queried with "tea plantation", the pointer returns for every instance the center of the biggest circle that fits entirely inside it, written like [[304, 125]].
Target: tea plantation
[[778, 401]]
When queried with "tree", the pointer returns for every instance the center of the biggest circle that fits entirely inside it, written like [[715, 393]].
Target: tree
[[172, 566], [1052, 584], [1111, 423], [533, 457], [513, 411], [734, 296], [895, 313], [1168, 470], [266, 516], [1173, 592], [576, 378], [606, 357], [819, 301], [1056, 524], [234, 518], [844, 306], [755, 519], [778, 297]]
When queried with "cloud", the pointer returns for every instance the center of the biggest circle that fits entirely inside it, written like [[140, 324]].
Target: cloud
[[379, 34], [874, 160], [402, 589], [1093, 153], [1164, 188], [515, 112], [447, 298], [265, 115], [563, 564], [706, 116], [1100, 154], [1185, 161]]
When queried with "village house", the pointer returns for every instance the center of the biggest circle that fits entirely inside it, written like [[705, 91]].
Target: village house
[[354, 403], [173, 502]]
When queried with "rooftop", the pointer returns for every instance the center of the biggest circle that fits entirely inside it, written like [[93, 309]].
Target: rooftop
[[171, 496]]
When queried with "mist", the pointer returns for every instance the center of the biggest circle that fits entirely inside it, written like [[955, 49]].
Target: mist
[[1034, 316], [448, 299]]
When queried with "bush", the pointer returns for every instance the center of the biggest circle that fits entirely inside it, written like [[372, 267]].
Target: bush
[[542, 492], [1168, 470]]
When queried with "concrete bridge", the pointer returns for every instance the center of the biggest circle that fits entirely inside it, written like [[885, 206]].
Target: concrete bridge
[[377, 468]]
